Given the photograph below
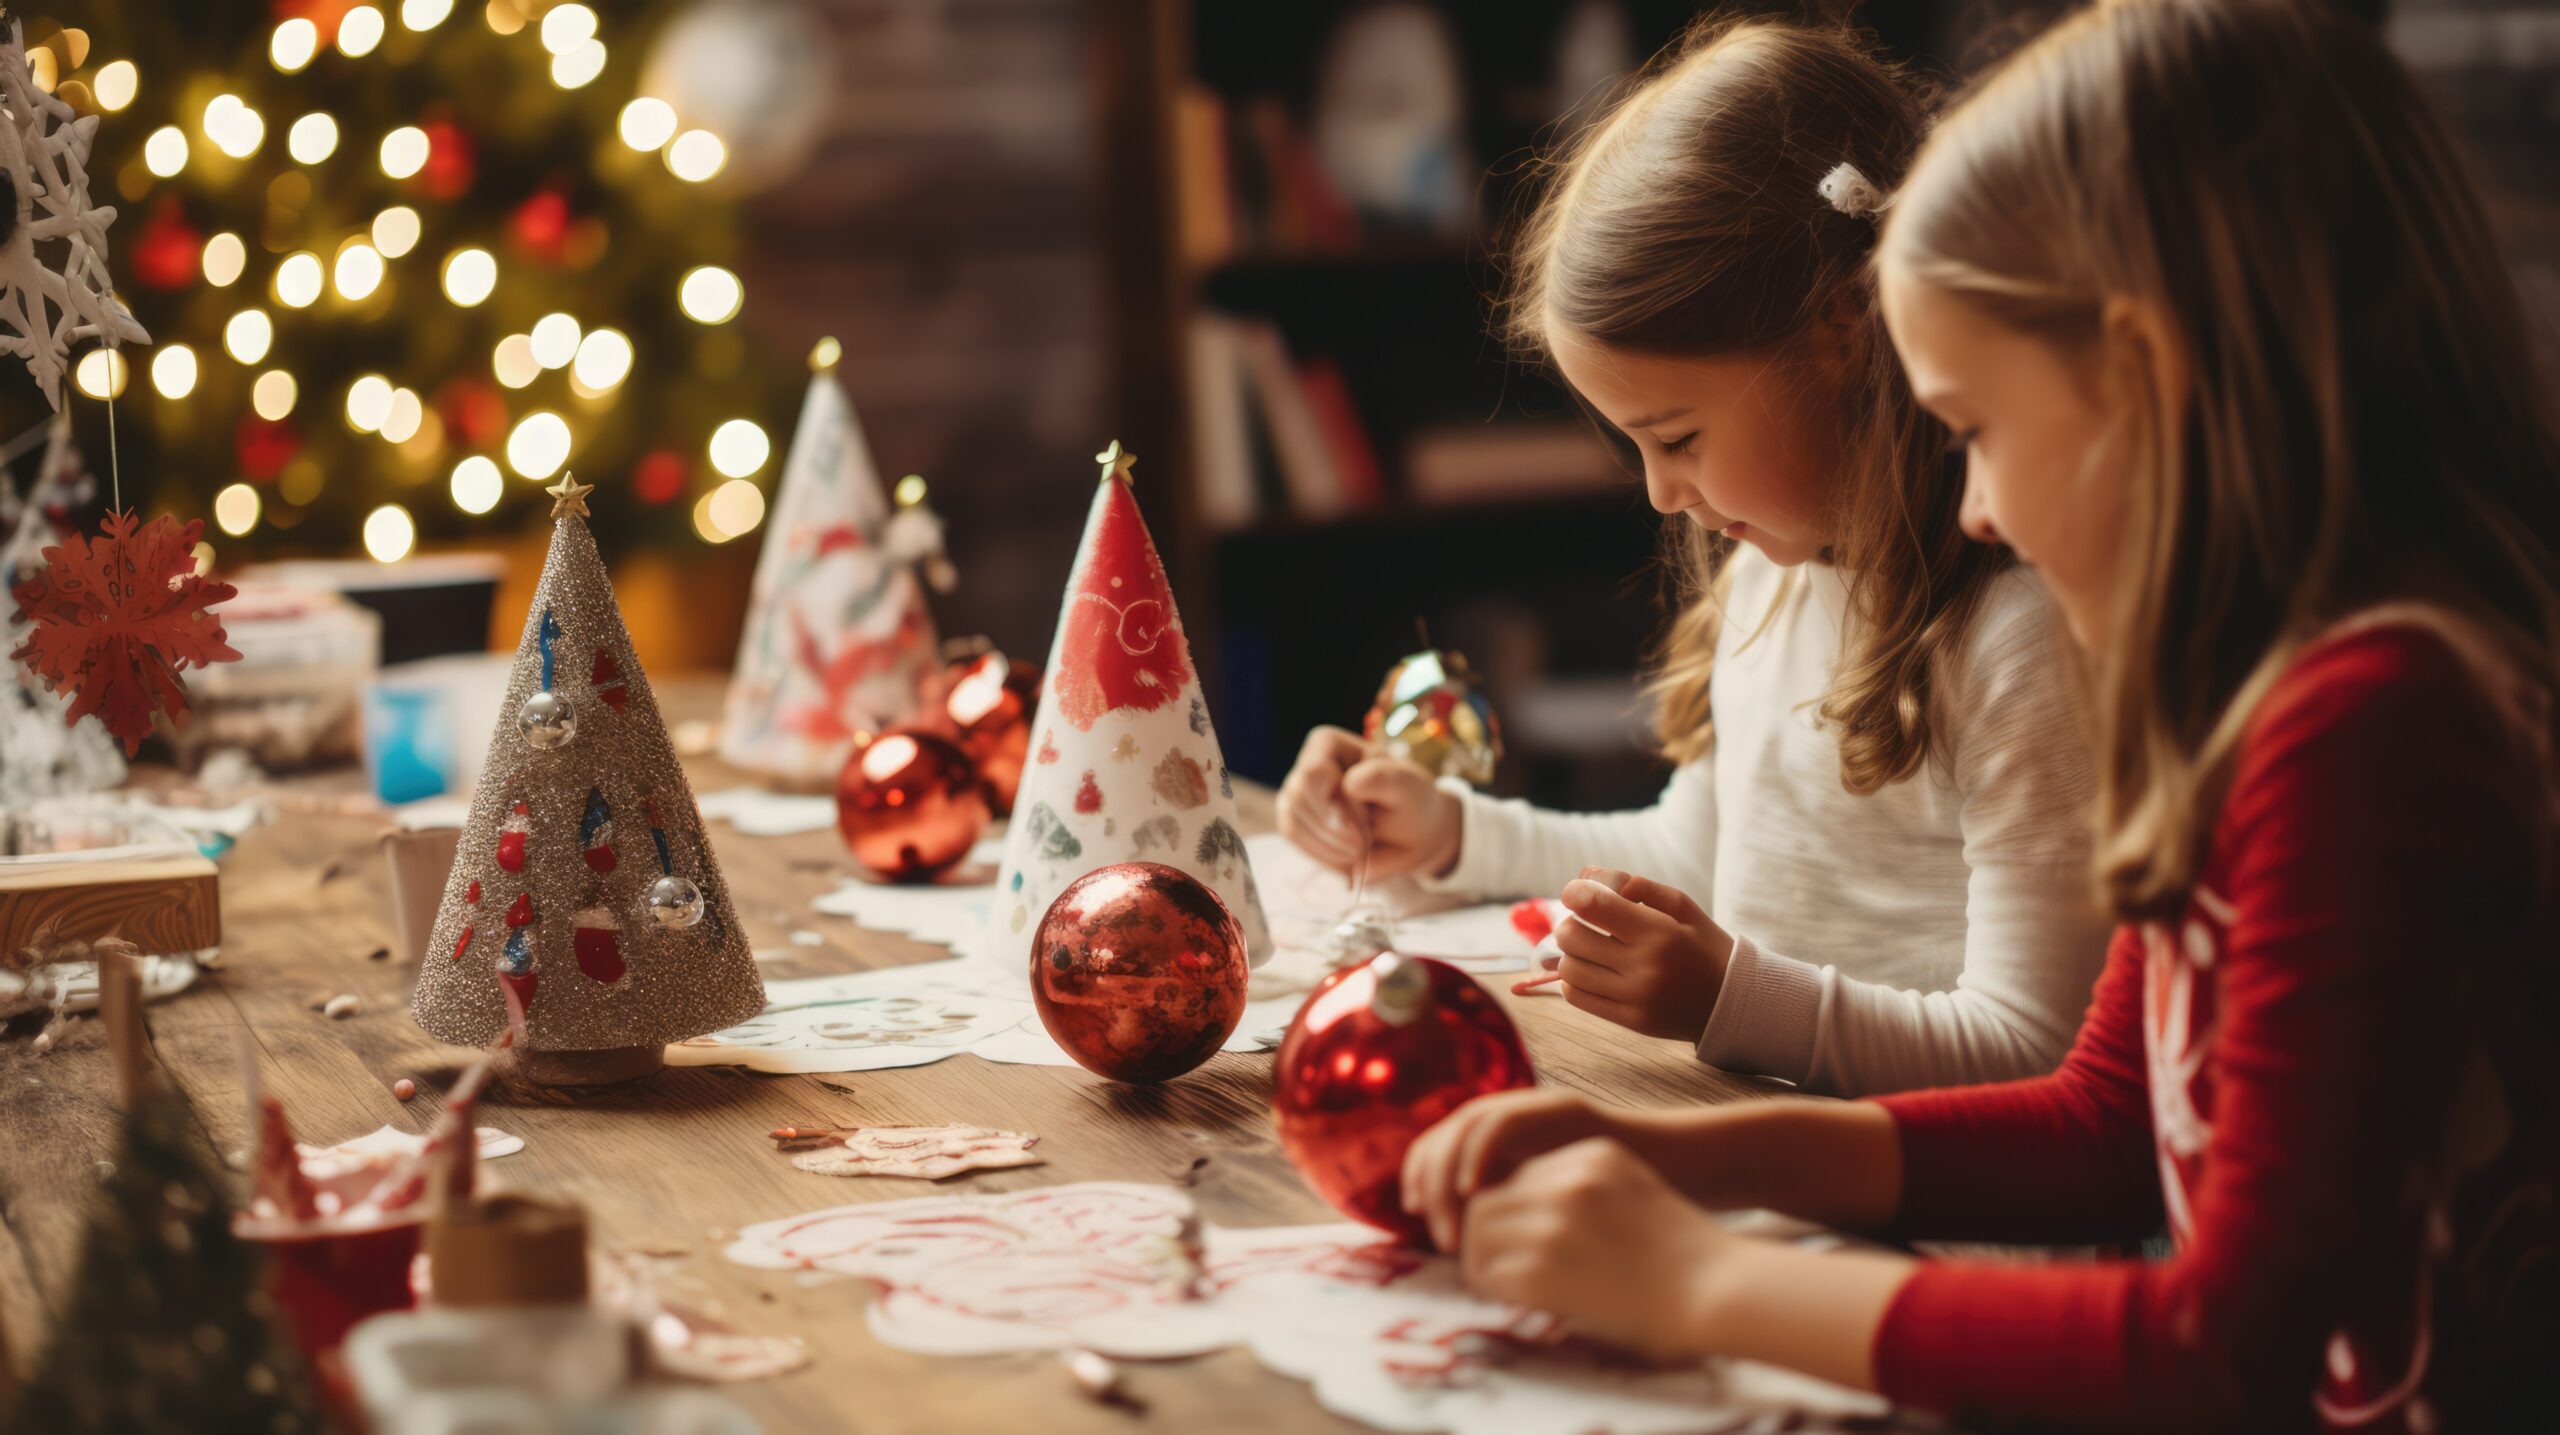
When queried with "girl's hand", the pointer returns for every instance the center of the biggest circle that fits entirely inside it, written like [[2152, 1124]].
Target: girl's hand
[[1592, 1234], [1640, 954], [1341, 798], [1481, 1143]]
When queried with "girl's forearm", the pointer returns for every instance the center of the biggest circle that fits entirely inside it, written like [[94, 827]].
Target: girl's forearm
[[1808, 1310], [1837, 1163]]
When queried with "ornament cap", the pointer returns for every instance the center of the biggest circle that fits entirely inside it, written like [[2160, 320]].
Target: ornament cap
[[569, 497], [1402, 990], [1116, 462]]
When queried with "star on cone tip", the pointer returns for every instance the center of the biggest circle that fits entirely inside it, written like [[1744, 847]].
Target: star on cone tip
[[1116, 462], [569, 496]]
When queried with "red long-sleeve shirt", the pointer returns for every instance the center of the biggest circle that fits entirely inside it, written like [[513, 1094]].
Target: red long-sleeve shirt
[[2332, 1080]]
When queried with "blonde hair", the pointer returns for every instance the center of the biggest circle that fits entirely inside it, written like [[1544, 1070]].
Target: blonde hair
[[1704, 214], [2363, 424]]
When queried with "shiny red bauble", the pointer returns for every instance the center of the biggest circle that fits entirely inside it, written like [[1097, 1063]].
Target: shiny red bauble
[[1138, 971], [1376, 1057], [910, 805], [989, 703]]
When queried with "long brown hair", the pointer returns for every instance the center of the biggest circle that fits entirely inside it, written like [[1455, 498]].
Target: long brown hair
[[1688, 220], [2365, 424]]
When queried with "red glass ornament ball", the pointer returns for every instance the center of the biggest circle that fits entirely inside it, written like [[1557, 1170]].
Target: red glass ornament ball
[[1379, 1053], [910, 805], [989, 702], [1138, 971]]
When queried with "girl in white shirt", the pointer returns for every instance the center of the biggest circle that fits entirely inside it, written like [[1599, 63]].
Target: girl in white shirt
[[1883, 787]]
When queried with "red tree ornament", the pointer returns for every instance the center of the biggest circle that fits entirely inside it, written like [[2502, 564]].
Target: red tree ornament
[[1378, 1055], [1139, 971], [910, 805], [118, 617], [989, 702]]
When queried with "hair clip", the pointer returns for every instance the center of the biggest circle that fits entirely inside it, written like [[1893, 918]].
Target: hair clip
[[1849, 191]]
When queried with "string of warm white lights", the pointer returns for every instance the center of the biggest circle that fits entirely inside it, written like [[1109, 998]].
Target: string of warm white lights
[[321, 284]]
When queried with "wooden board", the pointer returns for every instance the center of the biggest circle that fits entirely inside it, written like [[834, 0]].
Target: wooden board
[[167, 903], [680, 1161]]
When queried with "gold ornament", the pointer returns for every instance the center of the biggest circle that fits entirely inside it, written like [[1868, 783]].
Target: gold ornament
[[1431, 710], [1116, 462], [569, 497]]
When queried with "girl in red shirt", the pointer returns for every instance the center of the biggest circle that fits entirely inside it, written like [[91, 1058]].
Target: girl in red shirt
[[2200, 287]]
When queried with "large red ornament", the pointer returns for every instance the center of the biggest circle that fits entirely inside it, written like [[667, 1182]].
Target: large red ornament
[[1139, 971], [1123, 645], [989, 703], [910, 805], [118, 617], [1376, 1057]]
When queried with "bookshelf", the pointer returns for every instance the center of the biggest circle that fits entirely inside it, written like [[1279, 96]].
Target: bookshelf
[[1351, 453]]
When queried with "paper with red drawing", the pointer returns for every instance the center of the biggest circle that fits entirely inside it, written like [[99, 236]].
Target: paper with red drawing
[[1385, 1334]]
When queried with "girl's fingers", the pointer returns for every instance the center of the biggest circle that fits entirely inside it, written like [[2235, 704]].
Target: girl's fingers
[[1605, 1008], [1594, 980], [1303, 823], [1669, 901], [1611, 912], [1590, 945]]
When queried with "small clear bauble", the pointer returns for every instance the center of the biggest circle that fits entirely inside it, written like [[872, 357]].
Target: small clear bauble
[[546, 721], [674, 902]]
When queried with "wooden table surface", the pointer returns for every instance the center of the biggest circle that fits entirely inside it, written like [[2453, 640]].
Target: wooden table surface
[[681, 1160]]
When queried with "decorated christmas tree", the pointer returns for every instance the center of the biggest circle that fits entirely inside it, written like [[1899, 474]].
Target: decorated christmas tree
[[405, 256], [584, 882], [837, 640], [1125, 765]]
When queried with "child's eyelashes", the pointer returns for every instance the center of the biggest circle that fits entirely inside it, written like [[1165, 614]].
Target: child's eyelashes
[[1680, 444]]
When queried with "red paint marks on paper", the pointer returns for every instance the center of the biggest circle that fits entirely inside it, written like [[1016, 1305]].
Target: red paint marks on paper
[[1089, 795], [1048, 748]]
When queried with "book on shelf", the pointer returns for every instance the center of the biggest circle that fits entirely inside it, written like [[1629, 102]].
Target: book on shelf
[[1249, 181], [1475, 463], [1274, 433]]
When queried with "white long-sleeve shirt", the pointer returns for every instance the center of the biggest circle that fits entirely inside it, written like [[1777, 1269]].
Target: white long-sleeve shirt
[[1937, 932]]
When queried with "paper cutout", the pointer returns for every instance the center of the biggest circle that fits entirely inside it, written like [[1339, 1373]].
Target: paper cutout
[[913, 1015], [924, 1153], [1385, 1334], [118, 617]]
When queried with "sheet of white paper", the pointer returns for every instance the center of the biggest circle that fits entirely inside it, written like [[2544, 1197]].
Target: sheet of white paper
[[390, 1142], [950, 916], [758, 813], [1386, 1335], [863, 1021]]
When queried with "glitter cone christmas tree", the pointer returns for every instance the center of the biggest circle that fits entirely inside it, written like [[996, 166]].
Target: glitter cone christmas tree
[[1124, 763], [584, 883]]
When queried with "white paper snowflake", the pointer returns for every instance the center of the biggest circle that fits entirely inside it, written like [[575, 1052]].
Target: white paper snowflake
[[44, 162]]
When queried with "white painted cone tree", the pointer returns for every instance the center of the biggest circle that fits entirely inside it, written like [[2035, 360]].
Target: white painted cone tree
[[837, 640], [1125, 764]]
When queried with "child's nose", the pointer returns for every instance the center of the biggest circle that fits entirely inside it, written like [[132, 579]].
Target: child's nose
[[1974, 514], [1668, 492]]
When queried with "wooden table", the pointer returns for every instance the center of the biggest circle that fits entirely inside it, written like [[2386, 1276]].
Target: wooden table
[[680, 1161]]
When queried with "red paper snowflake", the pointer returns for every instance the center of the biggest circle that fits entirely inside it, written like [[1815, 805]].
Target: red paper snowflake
[[118, 617]]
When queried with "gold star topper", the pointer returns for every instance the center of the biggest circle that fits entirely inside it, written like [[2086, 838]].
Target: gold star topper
[[1116, 462], [569, 497]]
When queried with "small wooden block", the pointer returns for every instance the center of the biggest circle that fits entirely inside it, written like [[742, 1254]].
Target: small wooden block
[[166, 903], [588, 1068]]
